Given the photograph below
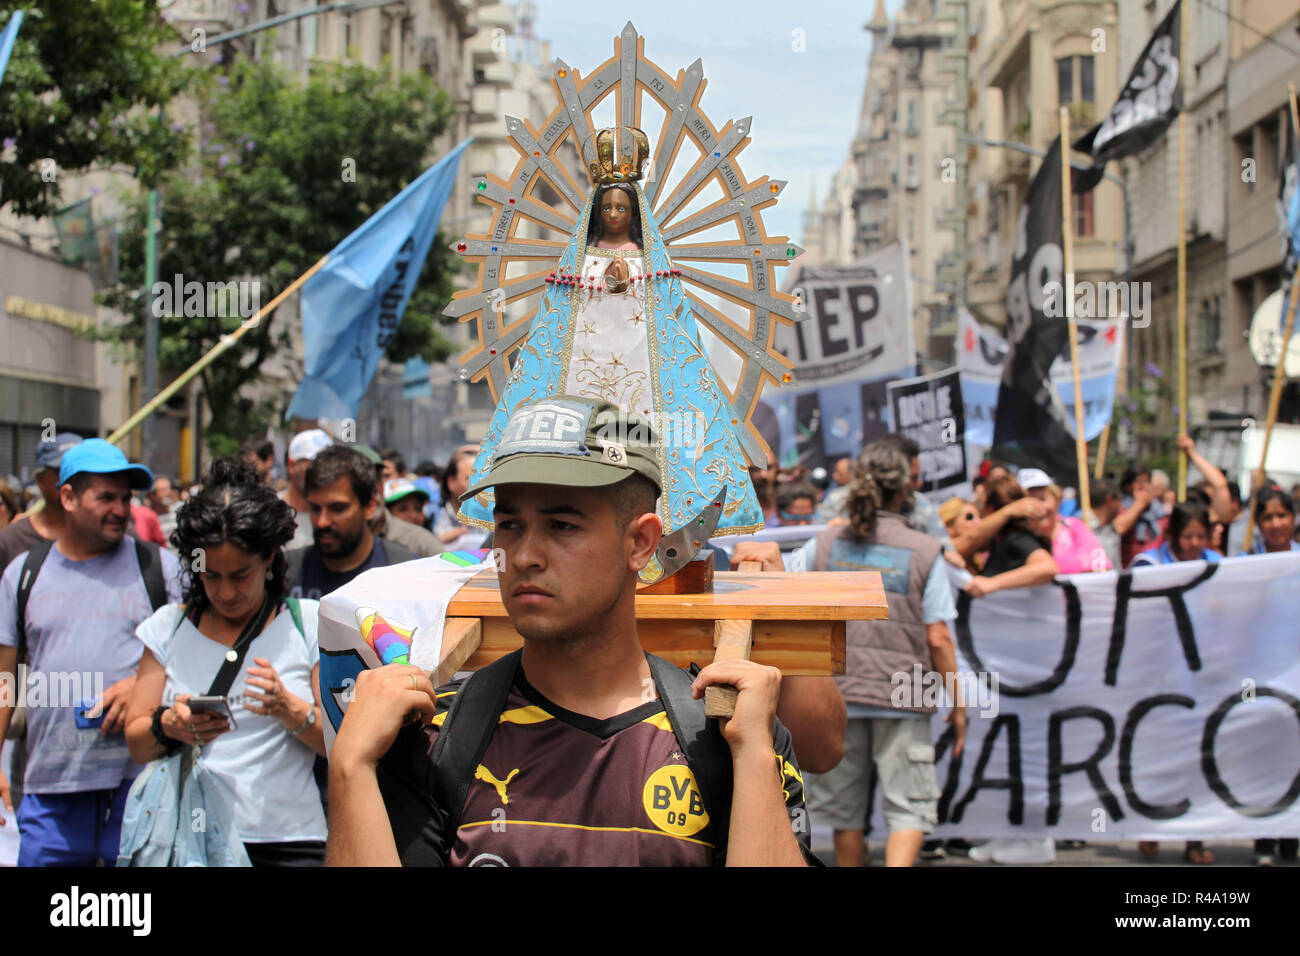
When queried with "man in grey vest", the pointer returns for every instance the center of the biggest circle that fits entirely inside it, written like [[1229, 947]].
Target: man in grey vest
[[896, 670]]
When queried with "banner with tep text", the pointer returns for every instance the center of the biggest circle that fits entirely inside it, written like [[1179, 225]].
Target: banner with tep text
[[1161, 703]]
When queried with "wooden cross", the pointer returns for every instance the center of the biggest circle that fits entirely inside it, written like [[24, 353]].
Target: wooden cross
[[791, 621]]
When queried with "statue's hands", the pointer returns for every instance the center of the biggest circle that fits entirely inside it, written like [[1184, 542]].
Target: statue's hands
[[616, 276]]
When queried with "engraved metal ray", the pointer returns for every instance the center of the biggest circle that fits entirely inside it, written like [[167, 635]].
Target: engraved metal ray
[[520, 199]]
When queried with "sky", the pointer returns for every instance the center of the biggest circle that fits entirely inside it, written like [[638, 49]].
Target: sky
[[804, 103]]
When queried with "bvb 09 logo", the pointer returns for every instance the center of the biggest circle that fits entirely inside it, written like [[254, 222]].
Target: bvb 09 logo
[[673, 803]]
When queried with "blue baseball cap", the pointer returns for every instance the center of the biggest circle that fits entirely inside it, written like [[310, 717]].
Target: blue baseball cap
[[99, 457], [49, 454]]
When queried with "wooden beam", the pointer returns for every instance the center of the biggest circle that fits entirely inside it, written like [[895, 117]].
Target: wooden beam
[[461, 637], [733, 640]]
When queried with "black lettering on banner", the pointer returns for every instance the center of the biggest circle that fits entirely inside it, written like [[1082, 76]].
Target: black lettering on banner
[[1124, 593], [863, 315], [1014, 781], [950, 782], [1152, 811], [1056, 770], [1210, 766], [824, 296], [1073, 621]]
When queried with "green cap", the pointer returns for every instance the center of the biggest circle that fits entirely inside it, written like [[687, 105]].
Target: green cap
[[572, 441]]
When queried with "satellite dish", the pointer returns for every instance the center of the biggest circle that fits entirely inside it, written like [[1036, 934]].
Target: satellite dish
[[1266, 336]]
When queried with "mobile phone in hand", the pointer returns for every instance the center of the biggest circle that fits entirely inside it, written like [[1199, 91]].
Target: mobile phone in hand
[[212, 705]]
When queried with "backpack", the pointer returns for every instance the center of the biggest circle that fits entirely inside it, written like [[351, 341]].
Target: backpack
[[482, 697], [150, 561], [146, 553]]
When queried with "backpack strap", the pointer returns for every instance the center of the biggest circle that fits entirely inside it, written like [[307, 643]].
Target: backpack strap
[[147, 554], [707, 753], [295, 612], [476, 710], [26, 579], [229, 669]]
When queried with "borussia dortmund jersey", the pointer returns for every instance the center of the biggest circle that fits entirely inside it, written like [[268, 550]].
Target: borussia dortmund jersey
[[556, 788]]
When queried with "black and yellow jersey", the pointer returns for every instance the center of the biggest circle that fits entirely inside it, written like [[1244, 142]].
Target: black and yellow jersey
[[557, 788]]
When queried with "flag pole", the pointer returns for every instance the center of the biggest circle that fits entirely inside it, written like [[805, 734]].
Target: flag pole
[[1182, 257], [1067, 241], [225, 342], [1279, 371]]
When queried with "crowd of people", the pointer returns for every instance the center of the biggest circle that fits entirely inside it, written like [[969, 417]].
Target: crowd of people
[[204, 603]]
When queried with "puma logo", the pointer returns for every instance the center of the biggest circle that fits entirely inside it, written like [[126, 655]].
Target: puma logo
[[484, 774], [787, 772]]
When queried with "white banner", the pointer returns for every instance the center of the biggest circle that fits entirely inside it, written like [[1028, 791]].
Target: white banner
[[981, 353], [1162, 703], [857, 336], [384, 616]]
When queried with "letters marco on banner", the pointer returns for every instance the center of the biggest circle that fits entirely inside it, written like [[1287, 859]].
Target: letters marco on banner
[[856, 337], [1161, 703]]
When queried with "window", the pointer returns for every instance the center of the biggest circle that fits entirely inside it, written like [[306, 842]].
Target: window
[[1082, 215], [1086, 91], [1211, 322], [1075, 80], [911, 117], [1271, 129], [1065, 80]]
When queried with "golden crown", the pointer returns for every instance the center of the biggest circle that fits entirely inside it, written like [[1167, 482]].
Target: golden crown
[[621, 155]]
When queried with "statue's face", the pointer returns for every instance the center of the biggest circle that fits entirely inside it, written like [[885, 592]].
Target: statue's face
[[615, 212]]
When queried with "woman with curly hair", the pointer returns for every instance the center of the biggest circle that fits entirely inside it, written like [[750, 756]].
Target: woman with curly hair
[[888, 731], [231, 535]]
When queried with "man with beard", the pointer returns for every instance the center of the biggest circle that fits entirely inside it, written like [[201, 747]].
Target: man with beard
[[341, 498]]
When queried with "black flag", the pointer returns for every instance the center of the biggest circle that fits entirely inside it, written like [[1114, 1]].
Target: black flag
[[1150, 100], [1030, 425]]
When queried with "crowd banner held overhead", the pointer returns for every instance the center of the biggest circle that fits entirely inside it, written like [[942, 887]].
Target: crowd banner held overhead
[[352, 307], [1030, 422], [980, 355], [1161, 703], [929, 410], [856, 338], [1149, 102], [982, 352]]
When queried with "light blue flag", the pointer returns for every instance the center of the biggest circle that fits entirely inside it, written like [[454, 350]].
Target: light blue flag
[[7, 41], [352, 307]]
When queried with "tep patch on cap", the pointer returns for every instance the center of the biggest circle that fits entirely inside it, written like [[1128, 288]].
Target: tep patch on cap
[[571, 441]]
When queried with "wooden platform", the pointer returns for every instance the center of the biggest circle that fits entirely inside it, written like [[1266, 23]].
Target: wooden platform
[[798, 619]]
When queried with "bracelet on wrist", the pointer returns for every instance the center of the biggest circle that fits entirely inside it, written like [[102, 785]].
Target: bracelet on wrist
[[169, 744]]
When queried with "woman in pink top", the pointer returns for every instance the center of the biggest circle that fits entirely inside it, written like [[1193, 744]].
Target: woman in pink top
[[1074, 546]]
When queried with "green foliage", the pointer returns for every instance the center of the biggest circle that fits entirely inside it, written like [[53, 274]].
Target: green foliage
[[1148, 410], [268, 194], [83, 89]]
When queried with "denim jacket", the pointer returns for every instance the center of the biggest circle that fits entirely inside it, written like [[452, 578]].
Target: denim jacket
[[176, 815]]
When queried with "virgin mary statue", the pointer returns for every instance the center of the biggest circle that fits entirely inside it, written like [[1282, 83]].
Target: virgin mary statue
[[614, 324]]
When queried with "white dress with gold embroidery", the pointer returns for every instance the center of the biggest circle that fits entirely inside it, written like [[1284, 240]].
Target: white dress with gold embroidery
[[611, 356]]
